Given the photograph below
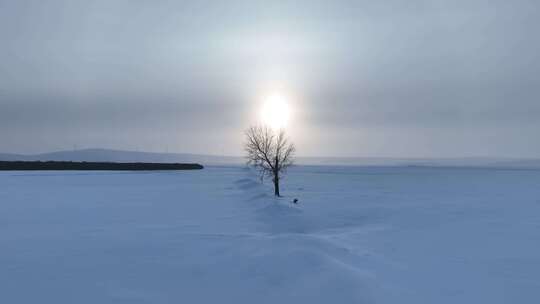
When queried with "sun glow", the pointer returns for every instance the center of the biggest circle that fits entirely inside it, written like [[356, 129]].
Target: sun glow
[[275, 112]]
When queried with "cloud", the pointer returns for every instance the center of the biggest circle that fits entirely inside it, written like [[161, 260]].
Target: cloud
[[386, 70]]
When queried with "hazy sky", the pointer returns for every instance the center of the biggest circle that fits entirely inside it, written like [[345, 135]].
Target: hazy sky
[[364, 78]]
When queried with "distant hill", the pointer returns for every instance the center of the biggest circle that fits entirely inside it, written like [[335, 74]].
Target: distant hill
[[12, 157], [105, 155]]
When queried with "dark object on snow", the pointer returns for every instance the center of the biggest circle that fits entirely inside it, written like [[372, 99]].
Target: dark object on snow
[[295, 201], [83, 166]]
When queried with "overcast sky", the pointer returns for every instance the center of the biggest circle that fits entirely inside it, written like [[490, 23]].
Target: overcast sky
[[364, 78]]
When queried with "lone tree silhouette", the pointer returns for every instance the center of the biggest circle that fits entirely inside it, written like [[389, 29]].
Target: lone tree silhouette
[[270, 152]]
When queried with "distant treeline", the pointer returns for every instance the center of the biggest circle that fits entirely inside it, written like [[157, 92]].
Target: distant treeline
[[65, 165]]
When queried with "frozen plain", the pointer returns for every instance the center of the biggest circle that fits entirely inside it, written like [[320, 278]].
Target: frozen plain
[[359, 235]]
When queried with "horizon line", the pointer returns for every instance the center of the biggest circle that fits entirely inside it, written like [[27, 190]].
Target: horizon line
[[298, 156]]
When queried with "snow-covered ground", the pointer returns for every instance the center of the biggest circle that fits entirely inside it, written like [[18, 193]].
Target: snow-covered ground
[[359, 235]]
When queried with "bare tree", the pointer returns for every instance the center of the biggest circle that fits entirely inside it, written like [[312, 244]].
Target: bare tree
[[270, 152]]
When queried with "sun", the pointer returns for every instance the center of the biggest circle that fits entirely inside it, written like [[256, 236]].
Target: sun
[[275, 112]]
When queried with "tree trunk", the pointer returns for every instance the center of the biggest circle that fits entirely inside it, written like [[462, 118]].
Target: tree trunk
[[276, 176], [276, 186]]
